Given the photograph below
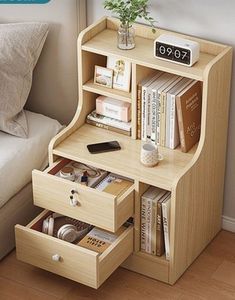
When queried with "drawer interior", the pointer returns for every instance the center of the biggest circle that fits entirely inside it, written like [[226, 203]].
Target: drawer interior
[[37, 224], [56, 168]]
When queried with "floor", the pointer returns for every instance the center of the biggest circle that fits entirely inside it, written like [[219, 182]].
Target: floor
[[211, 276]]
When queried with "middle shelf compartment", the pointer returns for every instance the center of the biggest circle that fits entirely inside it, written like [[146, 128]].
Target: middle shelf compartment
[[93, 206]]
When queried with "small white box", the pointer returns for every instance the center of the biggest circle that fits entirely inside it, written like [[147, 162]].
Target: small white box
[[113, 108]]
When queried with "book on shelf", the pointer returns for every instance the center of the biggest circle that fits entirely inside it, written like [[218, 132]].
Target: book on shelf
[[149, 233], [155, 107], [161, 114], [108, 123], [151, 106], [145, 83], [108, 127], [172, 128], [160, 245], [166, 224], [157, 235], [157, 117], [168, 109], [151, 193], [189, 105]]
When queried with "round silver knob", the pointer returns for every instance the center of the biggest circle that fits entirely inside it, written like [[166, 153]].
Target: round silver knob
[[56, 257], [73, 202]]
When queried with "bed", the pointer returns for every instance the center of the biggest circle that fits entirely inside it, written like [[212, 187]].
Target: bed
[[54, 82]]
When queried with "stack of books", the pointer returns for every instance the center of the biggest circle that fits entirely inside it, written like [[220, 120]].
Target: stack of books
[[162, 99], [111, 114], [155, 219]]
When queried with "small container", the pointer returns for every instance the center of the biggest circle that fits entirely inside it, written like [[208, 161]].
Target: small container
[[84, 178], [126, 37], [67, 173]]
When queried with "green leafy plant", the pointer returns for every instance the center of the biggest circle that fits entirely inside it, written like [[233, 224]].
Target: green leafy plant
[[129, 10]]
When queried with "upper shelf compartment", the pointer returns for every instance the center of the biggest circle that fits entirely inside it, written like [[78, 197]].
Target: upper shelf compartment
[[102, 39]]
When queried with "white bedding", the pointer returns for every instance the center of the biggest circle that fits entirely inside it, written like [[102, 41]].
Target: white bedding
[[18, 157]]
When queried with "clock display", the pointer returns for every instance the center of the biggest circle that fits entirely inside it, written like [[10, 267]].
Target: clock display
[[173, 53]]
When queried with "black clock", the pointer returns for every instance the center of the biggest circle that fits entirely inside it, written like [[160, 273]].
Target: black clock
[[178, 50]]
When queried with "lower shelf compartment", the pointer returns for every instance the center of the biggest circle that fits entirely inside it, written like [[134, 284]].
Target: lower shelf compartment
[[152, 266], [73, 262]]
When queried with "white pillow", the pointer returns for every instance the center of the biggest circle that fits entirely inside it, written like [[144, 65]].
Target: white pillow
[[20, 48]]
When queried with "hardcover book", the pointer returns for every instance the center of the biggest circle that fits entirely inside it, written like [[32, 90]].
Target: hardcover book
[[162, 105], [160, 245], [146, 199], [172, 128], [157, 241], [189, 105], [93, 116], [149, 202], [145, 83], [108, 127], [99, 240], [166, 224]]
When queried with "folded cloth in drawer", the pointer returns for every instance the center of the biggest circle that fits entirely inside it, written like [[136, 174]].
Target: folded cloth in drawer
[[18, 157]]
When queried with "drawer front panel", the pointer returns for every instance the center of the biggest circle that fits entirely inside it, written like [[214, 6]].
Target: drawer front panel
[[39, 249], [94, 207]]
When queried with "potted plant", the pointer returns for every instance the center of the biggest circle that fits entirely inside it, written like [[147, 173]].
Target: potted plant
[[128, 11]]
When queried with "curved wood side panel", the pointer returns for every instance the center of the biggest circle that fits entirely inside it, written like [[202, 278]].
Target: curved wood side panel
[[197, 198], [79, 117]]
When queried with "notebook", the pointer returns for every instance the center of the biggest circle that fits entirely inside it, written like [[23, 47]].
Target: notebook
[[114, 184]]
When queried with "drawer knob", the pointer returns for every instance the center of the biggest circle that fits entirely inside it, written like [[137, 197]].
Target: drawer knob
[[56, 257], [73, 202]]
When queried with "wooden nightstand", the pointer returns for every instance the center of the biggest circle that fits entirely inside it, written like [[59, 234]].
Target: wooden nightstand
[[195, 179]]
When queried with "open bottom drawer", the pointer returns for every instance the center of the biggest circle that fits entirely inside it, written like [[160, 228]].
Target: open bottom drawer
[[69, 260], [94, 207]]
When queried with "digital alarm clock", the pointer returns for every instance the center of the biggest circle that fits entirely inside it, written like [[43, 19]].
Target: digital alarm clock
[[176, 49]]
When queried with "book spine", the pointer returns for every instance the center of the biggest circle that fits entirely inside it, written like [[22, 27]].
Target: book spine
[[148, 225], [181, 126], [143, 224], [154, 115], [158, 118], [148, 113], [144, 113], [168, 117], [154, 228], [159, 233], [163, 119], [172, 120], [139, 91], [107, 127], [166, 228]]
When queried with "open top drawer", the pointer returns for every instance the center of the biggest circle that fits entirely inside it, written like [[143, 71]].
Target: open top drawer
[[93, 206], [69, 260]]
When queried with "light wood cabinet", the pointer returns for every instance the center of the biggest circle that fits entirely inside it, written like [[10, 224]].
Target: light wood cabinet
[[195, 179]]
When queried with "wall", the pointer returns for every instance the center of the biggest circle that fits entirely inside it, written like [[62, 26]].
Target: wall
[[54, 91], [213, 20]]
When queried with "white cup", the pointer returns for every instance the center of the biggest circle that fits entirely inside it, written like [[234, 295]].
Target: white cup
[[150, 156]]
